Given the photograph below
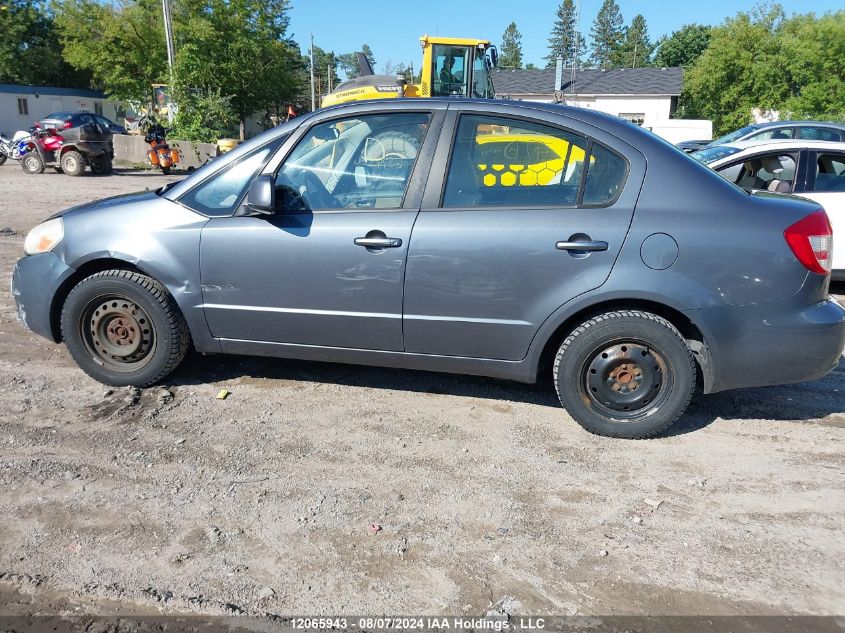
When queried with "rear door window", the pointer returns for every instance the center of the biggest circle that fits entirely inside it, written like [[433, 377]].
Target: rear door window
[[819, 134], [830, 173], [772, 172], [503, 162]]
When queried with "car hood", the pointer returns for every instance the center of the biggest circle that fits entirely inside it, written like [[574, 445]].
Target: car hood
[[102, 203]]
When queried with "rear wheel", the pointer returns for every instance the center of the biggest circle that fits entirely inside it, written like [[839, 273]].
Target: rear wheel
[[626, 374], [124, 328], [32, 164], [73, 164], [101, 166]]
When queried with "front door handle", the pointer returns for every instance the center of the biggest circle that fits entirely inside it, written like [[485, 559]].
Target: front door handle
[[378, 242], [591, 245]]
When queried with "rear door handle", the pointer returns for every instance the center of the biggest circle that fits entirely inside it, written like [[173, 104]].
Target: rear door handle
[[594, 245], [378, 242]]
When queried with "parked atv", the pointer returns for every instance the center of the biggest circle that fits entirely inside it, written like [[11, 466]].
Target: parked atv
[[71, 151]]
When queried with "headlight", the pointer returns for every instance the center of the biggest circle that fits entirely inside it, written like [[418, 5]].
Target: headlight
[[44, 237]]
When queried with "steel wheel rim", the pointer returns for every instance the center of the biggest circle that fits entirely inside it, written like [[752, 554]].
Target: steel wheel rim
[[70, 163], [626, 380], [32, 163], [118, 333]]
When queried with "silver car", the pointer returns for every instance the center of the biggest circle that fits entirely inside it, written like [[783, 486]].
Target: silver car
[[494, 238]]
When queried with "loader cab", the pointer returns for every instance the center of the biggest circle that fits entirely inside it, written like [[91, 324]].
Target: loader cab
[[457, 67]]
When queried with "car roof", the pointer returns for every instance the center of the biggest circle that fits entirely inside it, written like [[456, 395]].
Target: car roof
[[768, 124], [788, 144]]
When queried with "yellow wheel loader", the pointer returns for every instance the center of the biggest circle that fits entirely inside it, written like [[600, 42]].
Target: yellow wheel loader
[[452, 67], [460, 67]]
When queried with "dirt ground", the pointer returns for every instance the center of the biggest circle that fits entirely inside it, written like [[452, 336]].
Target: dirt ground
[[489, 496]]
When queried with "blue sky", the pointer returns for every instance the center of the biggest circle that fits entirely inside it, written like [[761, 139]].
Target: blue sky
[[392, 27]]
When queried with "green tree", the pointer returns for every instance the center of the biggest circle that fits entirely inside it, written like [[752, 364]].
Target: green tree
[[812, 54], [121, 46], [636, 48], [237, 50], [30, 52], [565, 40], [510, 55], [607, 34], [683, 46], [348, 62], [740, 70], [530, 66]]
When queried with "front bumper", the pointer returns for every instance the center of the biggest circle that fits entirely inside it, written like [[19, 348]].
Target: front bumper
[[35, 281], [772, 343]]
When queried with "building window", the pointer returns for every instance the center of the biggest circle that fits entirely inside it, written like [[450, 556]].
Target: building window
[[98, 108], [635, 118], [23, 106]]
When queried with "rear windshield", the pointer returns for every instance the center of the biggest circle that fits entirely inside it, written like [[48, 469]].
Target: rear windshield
[[711, 154], [59, 115]]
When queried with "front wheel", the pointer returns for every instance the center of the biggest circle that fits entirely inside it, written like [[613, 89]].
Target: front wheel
[[165, 171], [626, 374], [32, 164], [2, 158], [124, 328]]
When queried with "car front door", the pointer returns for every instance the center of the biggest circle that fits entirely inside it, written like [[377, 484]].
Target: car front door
[[326, 269], [519, 217]]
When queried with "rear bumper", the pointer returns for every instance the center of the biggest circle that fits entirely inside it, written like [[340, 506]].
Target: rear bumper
[[35, 281], [772, 343]]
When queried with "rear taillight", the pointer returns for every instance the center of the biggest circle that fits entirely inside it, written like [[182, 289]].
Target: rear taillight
[[811, 239], [67, 125]]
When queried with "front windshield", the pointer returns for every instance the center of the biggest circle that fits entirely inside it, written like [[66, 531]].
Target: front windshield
[[729, 138], [712, 154], [482, 84]]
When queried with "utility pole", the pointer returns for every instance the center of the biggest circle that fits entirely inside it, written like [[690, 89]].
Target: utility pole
[[168, 35], [171, 51], [313, 96]]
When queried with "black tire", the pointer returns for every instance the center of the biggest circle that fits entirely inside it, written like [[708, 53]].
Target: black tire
[[124, 328], [2, 158], [626, 374], [165, 171], [73, 163], [102, 166], [32, 164]]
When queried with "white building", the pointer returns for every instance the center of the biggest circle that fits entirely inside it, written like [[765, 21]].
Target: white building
[[22, 106], [645, 96]]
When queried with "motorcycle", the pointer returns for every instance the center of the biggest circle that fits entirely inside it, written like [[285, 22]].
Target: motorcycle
[[10, 148], [160, 153]]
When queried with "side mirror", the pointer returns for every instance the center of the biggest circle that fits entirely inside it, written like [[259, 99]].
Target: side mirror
[[262, 195]]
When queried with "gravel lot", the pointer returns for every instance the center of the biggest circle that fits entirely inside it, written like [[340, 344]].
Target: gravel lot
[[488, 495]]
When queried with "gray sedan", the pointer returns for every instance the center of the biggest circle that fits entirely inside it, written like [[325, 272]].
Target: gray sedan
[[493, 238]]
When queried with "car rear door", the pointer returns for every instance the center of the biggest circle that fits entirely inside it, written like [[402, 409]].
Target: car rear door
[[520, 215], [826, 185]]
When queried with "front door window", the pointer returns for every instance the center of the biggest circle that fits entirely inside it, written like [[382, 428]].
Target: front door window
[[359, 163]]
